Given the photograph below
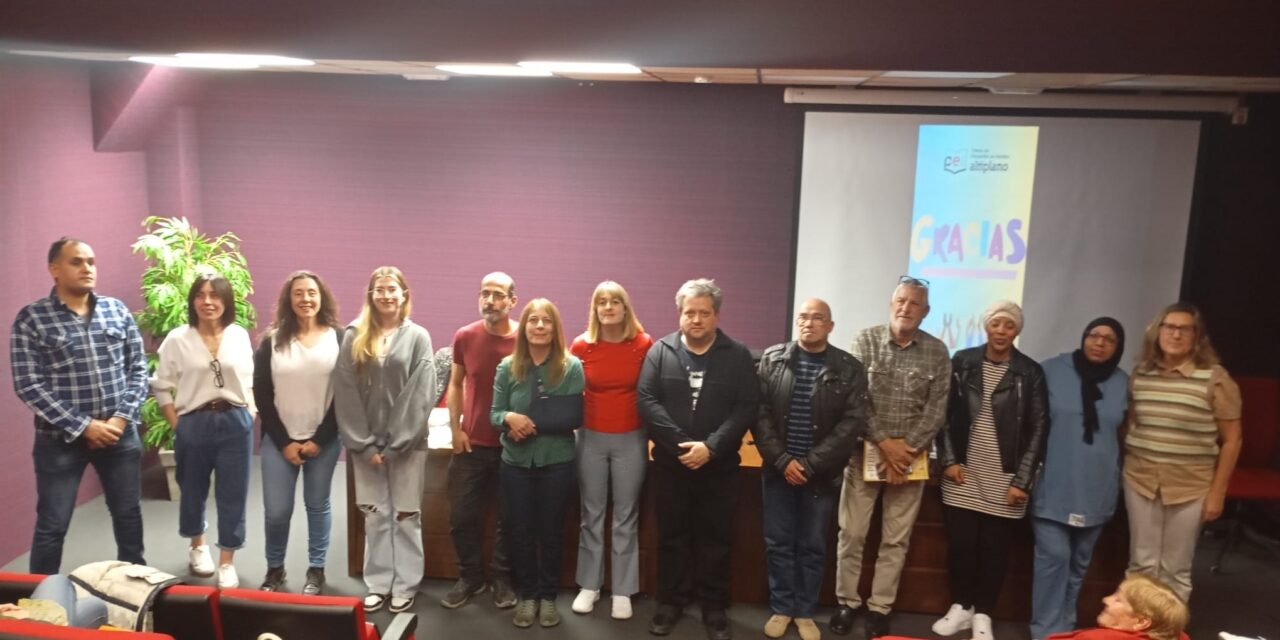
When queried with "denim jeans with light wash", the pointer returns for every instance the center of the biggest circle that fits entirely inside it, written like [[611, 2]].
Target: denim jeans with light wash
[[218, 442], [796, 522], [279, 483], [87, 612], [59, 466]]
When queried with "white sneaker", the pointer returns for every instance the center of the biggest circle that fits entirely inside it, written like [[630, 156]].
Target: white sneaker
[[586, 601], [199, 560], [982, 627], [957, 619], [227, 578], [621, 608]]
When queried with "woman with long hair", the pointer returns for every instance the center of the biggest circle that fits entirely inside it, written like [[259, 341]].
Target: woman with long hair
[[293, 384], [1181, 447], [204, 386], [384, 384], [612, 447], [537, 404], [1088, 398]]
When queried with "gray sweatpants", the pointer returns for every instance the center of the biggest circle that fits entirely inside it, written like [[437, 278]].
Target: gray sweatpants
[[611, 461]]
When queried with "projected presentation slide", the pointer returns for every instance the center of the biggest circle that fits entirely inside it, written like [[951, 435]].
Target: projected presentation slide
[[1072, 218]]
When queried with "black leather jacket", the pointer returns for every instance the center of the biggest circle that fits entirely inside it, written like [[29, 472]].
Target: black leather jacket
[[1019, 406], [839, 406]]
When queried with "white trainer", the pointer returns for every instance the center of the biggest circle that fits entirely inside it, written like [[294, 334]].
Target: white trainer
[[199, 560], [586, 601], [621, 608], [227, 578], [982, 627], [957, 619]]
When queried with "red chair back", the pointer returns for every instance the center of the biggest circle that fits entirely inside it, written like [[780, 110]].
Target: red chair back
[[247, 614], [1260, 420], [10, 629]]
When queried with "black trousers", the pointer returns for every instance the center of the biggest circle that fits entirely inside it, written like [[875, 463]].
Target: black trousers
[[977, 556], [695, 512], [473, 488]]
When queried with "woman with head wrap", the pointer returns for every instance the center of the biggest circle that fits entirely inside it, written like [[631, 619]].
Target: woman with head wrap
[[990, 447], [1088, 397]]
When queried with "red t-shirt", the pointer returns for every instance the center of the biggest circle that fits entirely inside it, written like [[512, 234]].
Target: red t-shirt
[[612, 370], [479, 352]]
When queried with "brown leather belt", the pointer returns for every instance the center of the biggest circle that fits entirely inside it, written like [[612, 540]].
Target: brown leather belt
[[217, 405]]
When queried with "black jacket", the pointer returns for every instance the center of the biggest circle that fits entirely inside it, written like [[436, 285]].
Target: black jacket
[[726, 403], [839, 411], [264, 395], [1019, 407]]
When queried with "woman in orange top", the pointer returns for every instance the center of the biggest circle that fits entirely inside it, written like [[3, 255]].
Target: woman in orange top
[[612, 448]]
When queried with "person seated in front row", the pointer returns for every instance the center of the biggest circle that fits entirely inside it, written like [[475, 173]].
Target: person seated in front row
[[54, 601], [1142, 608]]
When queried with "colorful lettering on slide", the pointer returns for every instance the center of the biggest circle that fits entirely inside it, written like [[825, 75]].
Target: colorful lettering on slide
[[970, 222]]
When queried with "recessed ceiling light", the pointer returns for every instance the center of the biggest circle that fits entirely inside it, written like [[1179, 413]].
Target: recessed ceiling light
[[258, 59], [191, 63], [493, 70], [605, 68], [944, 75]]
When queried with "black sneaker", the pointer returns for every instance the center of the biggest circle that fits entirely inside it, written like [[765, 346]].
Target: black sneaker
[[315, 581], [274, 579], [504, 597], [460, 593], [717, 624], [842, 620], [876, 624], [664, 620]]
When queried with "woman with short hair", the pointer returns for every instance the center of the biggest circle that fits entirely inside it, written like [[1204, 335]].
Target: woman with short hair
[[384, 389], [1142, 608], [1181, 447], [204, 386]]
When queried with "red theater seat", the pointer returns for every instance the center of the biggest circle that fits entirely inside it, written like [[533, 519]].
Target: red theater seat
[[17, 585], [1255, 476], [247, 614], [26, 629], [188, 612]]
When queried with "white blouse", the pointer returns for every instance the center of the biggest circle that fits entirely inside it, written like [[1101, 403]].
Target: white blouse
[[185, 377], [303, 379]]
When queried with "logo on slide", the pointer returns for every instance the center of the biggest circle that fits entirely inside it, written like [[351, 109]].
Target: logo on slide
[[955, 161]]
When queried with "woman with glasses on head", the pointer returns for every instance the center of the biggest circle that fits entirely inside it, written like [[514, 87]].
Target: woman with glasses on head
[[1182, 443], [293, 384], [537, 404], [1088, 398], [613, 447], [991, 446], [204, 386], [384, 386]]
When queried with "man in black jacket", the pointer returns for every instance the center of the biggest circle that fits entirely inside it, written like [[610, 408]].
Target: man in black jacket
[[697, 397], [813, 409]]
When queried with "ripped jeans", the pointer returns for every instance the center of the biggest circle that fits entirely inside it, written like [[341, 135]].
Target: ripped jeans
[[390, 497]]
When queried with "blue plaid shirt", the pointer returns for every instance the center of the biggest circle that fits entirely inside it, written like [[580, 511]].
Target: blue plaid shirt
[[70, 369]]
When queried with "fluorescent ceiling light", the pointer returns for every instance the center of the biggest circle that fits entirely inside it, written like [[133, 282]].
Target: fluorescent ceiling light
[[493, 70], [605, 68], [426, 76], [246, 58], [187, 63], [944, 75]]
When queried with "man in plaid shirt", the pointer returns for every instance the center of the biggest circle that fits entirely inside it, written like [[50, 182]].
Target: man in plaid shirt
[[78, 363]]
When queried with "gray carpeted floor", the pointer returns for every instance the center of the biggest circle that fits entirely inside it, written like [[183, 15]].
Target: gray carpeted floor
[[1243, 599]]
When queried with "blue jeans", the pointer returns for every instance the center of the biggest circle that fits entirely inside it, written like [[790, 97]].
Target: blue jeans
[[59, 466], [796, 521], [214, 442], [89, 612], [279, 480], [535, 499], [1062, 557]]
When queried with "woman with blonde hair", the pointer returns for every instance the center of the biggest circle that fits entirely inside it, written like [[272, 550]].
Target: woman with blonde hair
[[1182, 443], [612, 447], [1142, 608], [537, 404], [384, 385]]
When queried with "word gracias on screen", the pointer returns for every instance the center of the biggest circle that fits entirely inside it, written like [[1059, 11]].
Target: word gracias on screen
[[974, 240]]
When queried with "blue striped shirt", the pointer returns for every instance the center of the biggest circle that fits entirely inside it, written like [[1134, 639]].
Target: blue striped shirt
[[72, 369], [800, 416]]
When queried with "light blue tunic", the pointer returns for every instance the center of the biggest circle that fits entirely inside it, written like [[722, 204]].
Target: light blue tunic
[[1080, 483]]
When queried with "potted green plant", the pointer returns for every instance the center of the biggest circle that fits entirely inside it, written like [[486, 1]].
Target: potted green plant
[[176, 253]]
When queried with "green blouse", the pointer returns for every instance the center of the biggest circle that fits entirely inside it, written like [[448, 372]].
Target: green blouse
[[513, 396]]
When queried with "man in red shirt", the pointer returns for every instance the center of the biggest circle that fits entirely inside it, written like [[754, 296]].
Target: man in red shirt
[[473, 470]]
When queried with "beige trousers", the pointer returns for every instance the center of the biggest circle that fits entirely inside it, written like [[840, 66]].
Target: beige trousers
[[1162, 539], [900, 505]]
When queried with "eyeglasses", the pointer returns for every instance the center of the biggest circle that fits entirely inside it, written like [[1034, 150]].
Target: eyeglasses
[[216, 367], [816, 318], [1175, 329], [385, 291], [1104, 337], [496, 296], [914, 282]]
